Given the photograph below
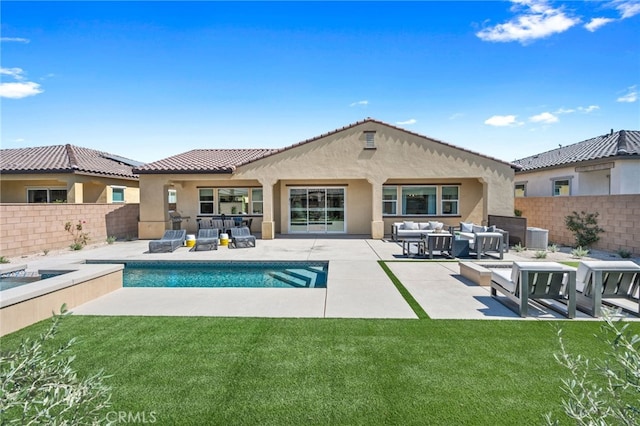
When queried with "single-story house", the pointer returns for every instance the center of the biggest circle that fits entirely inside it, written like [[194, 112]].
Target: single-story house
[[604, 165], [359, 179], [66, 174]]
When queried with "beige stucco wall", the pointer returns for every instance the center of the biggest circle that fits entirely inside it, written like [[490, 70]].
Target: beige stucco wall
[[80, 188], [603, 177], [340, 159]]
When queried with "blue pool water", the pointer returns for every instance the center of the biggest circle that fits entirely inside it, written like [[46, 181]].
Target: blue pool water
[[226, 274]]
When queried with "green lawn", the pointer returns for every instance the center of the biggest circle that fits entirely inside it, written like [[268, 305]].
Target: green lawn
[[257, 371]]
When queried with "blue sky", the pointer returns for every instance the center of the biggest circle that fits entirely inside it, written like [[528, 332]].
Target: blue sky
[[147, 80]]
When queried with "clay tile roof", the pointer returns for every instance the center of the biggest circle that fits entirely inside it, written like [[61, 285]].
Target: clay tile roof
[[615, 144], [65, 159], [205, 161]]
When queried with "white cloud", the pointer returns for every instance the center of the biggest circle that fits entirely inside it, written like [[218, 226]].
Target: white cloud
[[360, 103], [19, 90], [588, 109], [456, 116], [627, 8], [630, 96], [545, 117], [14, 40], [537, 20], [596, 23], [502, 121], [410, 121], [16, 73], [565, 111]]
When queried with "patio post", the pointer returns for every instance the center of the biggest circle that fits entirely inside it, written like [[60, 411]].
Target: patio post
[[377, 224], [268, 225]]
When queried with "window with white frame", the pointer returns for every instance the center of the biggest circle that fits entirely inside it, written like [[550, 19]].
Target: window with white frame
[[389, 200], [233, 200], [117, 194], [256, 200], [46, 195], [419, 200], [520, 190], [205, 200], [561, 187], [450, 197]]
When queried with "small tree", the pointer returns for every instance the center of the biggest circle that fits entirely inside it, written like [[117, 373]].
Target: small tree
[[39, 386], [80, 237], [584, 227], [608, 391]]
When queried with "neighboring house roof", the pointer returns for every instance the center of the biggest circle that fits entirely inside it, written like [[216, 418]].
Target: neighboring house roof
[[227, 160], [624, 143], [65, 159]]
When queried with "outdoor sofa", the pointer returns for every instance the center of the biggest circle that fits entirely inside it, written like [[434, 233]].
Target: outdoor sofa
[[411, 229]]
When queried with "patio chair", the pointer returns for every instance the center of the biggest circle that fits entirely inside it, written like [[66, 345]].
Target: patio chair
[[439, 242], [205, 224], [228, 225], [539, 281], [207, 239], [598, 280], [170, 241], [241, 238], [488, 242]]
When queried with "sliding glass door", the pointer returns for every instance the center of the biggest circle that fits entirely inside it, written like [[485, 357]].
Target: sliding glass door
[[317, 210]]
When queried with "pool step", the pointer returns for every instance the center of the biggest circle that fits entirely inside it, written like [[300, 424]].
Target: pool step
[[303, 277], [288, 279]]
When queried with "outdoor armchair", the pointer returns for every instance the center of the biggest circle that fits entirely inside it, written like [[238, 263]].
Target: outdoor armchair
[[598, 280], [539, 281]]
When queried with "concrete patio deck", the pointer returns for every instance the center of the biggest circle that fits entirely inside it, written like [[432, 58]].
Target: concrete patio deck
[[357, 286]]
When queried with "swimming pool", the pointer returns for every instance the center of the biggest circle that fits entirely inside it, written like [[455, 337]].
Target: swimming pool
[[288, 274]]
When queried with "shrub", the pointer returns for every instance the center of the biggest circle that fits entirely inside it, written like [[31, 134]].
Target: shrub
[[584, 227], [3, 259], [517, 212], [541, 254], [40, 386], [553, 248], [606, 391], [80, 237], [111, 239], [518, 248], [625, 254], [579, 252]]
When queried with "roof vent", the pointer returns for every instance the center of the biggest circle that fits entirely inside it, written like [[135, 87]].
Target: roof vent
[[369, 139]]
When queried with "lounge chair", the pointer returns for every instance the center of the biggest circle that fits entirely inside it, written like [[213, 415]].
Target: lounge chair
[[207, 239], [241, 238], [539, 281], [170, 241], [598, 280]]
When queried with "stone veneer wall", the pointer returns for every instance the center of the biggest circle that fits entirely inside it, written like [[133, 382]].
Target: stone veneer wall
[[33, 228], [619, 216]]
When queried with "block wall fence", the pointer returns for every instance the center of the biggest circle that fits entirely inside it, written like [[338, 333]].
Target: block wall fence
[[33, 228], [619, 216]]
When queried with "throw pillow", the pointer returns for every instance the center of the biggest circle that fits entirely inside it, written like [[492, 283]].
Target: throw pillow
[[407, 224], [466, 227], [477, 228]]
